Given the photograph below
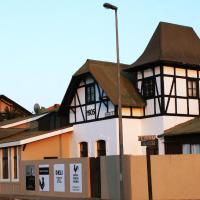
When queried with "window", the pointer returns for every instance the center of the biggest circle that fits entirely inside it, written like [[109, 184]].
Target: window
[[148, 88], [101, 148], [191, 148], [192, 88], [5, 167], [90, 93], [83, 149], [14, 163]]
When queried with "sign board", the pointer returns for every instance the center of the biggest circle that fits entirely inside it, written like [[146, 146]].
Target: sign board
[[44, 178], [76, 177], [59, 178], [30, 177], [147, 138], [149, 143]]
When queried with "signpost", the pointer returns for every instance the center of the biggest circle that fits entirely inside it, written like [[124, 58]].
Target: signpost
[[150, 141]]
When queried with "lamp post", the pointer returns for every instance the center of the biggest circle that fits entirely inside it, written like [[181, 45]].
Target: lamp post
[[121, 148]]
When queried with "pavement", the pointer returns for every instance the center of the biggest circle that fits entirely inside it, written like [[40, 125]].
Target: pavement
[[9, 197]]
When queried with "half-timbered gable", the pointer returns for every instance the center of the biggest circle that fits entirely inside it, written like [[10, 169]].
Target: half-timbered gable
[[92, 94], [168, 72]]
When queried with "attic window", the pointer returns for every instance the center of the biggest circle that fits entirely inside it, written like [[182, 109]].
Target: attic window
[[148, 88], [192, 88], [90, 93]]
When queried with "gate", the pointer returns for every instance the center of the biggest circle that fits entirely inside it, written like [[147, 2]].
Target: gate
[[95, 177]]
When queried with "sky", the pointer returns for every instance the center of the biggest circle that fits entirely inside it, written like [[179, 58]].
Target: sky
[[43, 42]]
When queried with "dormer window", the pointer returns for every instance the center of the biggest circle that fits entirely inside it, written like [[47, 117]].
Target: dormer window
[[149, 88], [90, 93], [192, 88]]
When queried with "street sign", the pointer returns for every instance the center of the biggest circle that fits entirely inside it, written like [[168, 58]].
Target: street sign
[[149, 143], [146, 137]]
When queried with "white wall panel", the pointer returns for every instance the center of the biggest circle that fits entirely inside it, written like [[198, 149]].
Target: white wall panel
[[157, 70], [182, 106], [158, 85], [181, 87], [167, 85], [149, 110], [193, 106], [81, 94], [139, 75], [192, 73], [171, 107], [148, 72], [181, 72], [168, 70]]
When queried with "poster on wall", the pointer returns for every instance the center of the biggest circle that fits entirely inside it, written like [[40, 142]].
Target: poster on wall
[[76, 177], [44, 178], [59, 178], [30, 177]]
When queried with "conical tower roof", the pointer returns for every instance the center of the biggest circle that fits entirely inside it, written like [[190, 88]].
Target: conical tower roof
[[171, 43]]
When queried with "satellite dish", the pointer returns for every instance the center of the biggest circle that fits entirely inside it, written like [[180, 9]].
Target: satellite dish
[[37, 108]]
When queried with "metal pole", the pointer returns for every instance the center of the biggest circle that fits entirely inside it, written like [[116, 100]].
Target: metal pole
[[148, 160], [121, 148]]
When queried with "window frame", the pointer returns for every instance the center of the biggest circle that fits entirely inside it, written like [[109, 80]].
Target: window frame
[[13, 178], [192, 81], [82, 155], [90, 93], [100, 150], [2, 160], [148, 87]]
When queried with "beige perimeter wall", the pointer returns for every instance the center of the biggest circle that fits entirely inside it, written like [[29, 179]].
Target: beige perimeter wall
[[174, 177]]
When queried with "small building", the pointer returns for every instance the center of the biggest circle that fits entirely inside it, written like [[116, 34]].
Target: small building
[[9, 109]]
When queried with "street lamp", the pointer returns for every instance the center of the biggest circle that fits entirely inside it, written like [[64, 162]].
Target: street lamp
[[121, 148]]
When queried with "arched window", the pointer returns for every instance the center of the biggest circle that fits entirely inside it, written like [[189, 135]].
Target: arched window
[[101, 148], [83, 149]]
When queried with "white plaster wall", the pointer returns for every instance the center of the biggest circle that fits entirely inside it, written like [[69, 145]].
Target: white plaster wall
[[167, 85], [149, 110], [171, 107], [192, 73], [180, 72], [168, 70], [131, 131], [181, 87], [92, 132], [171, 121], [148, 72], [193, 106], [181, 106]]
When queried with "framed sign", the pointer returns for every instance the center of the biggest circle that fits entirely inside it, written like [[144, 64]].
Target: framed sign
[[30, 177], [59, 178], [76, 177], [44, 178]]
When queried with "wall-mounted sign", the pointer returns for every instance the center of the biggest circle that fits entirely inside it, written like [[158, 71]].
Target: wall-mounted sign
[[149, 143], [146, 137], [59, 178], [91, 112], [76, 177], [107, 114], [44, 178], [30, 177]]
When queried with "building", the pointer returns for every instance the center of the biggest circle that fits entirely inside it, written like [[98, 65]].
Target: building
[[160, 94], [9, 109]]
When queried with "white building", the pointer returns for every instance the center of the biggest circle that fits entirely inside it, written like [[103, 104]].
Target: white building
[[159, 91]]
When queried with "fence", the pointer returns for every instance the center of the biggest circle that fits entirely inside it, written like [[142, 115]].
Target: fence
[[174, 177]]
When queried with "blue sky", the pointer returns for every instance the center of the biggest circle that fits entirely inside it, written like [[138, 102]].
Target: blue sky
[[43, 42]]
